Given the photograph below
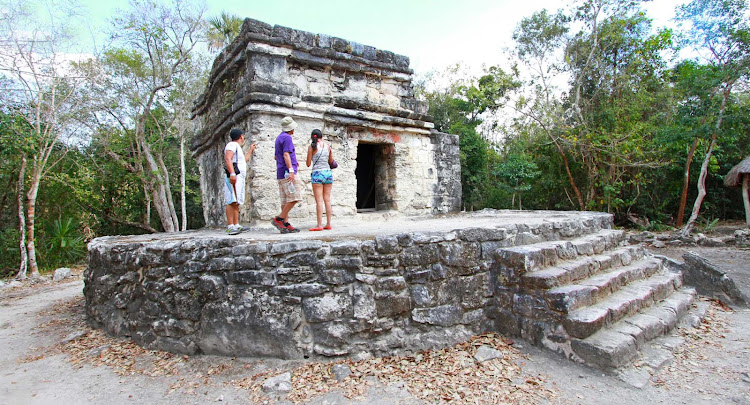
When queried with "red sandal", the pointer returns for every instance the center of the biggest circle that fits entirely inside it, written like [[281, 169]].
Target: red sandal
[[327, 227], [316, 229]]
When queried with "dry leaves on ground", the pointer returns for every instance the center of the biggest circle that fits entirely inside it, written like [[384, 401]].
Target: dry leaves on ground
[[690, 358], [438, 376], [123, 356]]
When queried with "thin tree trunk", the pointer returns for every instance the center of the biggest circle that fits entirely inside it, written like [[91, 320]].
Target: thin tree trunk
[[704, 167], [182, 183], [686, 184], [746, 197], [30, 221], [24, 262]]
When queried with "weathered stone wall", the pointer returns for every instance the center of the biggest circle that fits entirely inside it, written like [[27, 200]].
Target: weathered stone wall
[[352, 92], [397, 292]]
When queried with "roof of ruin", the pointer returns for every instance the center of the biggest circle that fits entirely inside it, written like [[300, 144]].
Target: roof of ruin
[[317, 51], [734, 177]]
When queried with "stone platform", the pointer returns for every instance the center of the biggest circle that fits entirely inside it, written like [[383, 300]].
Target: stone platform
[[386, 285]]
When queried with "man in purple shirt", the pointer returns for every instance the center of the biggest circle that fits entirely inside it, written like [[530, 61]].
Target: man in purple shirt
[[290, 188]]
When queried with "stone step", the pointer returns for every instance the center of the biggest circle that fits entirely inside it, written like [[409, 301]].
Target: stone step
[[618, 344], [537, 256], [570, 297], [571, 271], [584, 322]]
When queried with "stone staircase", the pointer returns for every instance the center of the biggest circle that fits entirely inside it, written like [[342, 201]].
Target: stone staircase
[[591, 298]]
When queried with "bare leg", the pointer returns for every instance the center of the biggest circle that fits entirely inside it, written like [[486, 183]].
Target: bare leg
[[233, 214], [327, 198], [236, 213], [285, 210], [318, 193]]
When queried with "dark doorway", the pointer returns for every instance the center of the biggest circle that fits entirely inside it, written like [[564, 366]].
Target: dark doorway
[[375, 176]]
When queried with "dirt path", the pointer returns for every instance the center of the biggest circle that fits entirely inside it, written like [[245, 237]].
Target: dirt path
[[50, 356]]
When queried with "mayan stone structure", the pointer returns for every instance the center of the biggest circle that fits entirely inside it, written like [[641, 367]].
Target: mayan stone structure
[[390, 157]]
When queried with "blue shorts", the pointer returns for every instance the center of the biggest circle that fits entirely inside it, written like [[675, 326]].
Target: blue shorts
[[322, 177]]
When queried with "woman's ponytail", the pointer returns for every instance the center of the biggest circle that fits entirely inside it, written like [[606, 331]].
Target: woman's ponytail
[[316, 134]]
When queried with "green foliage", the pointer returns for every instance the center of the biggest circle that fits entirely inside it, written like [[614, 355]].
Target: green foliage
[[515, 175], [9, 252], [65, 246]]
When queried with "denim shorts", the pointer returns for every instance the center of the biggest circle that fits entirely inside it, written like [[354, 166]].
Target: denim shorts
[[322, 176]]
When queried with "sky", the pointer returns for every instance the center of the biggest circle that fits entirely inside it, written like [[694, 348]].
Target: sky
[[434, 34]]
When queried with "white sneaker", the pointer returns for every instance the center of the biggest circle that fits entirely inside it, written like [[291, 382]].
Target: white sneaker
[[233, 230]]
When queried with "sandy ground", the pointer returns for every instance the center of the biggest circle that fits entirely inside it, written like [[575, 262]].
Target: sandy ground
[[50, 356]]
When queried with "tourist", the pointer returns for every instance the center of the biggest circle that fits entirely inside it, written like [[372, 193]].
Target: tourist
[[320, 156], [235, 163], [290, 188]]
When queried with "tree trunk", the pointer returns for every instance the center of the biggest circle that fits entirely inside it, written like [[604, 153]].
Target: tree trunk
[[746, 197], [24, 262], [159, 182], [686, 184], [30, 221], [183, 204], [704, 167]]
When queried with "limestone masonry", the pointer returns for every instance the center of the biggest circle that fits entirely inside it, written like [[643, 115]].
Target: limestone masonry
[[565, 281], [390, 157]]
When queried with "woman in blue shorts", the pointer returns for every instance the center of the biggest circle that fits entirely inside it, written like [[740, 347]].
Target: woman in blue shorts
[[320, 156]]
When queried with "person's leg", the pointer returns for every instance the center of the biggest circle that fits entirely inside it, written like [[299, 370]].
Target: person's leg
[[229, 214], [327, 198], [318, 194], [285, 210], [235, 214]]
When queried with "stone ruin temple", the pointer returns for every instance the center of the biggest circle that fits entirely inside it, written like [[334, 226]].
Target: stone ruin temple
[[389, 155], [566, 281]]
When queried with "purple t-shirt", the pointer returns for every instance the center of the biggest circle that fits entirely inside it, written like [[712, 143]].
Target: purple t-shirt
[[284, 143]]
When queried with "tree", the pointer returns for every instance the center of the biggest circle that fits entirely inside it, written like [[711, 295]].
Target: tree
[[222, 30], [719, 27], [40, 86], [136, 81], [515, 173]]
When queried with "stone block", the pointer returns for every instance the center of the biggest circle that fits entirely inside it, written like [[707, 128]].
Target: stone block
[[391, 305], [328, 307], [482, 234], [460, 255], [445, 315], [587, 321], [606, 349], [345, 248], [386, 244], [300, 259], [529, 306], [422, 296], [344, 263], [363, 300], [280, 248], [301, 290], [422, 255], [474, 290], [383, 261], [188, 306], [391, 283], [336, 277], [295, 275], [253, 277], [221, 264], [486, 353]]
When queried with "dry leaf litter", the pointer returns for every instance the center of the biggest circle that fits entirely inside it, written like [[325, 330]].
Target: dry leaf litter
[[691, 359], [436, 376]]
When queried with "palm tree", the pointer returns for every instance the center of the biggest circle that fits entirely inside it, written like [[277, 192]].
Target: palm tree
[[223, 29]]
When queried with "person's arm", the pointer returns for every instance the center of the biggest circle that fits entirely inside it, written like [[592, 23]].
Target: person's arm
[[250, 152], [309, 155], [289, 167], [228, 156], [330, 154]]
